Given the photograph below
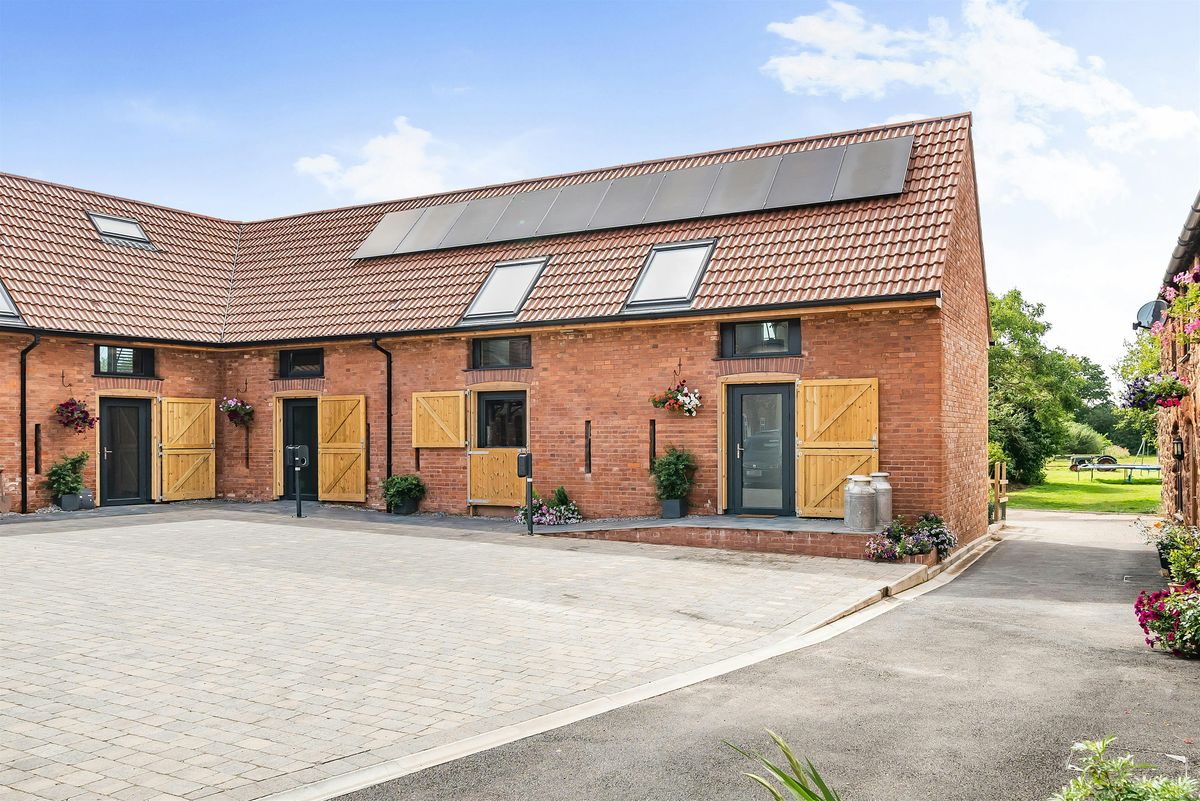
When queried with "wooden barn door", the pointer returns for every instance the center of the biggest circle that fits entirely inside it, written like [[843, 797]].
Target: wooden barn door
[[341, 447], [188, 449], [837, 433]]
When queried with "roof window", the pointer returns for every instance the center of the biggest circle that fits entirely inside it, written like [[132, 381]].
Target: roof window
[[7, 307], [672, 274], [505, 290], [121, 229]]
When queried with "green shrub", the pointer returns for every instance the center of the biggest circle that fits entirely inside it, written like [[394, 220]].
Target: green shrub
[[1083, 439], [65, 477], [1117, 451], [1183, 559], [800, 781], [995, 454], [1115, 779], [407, 487], [673, 473]]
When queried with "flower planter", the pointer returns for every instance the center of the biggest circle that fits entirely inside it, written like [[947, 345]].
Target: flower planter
[[87, 500], [1162, 559], [673, 508], [68, 503], [928, 559], [407, 506]]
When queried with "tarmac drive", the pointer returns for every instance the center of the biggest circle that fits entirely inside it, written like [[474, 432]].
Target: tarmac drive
[[974, 691]]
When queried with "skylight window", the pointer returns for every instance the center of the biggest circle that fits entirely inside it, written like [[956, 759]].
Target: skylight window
[[119, 228], [505, 290], [672, 274], [7, 307]]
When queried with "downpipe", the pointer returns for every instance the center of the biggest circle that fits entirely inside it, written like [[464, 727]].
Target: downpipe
[[37, 338], [387, 354]]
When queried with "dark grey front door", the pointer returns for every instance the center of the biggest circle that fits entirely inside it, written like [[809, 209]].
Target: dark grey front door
[[300, 428], [762, 449], [124, 451]]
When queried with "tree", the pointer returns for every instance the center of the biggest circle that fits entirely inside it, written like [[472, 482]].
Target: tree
[[1142, 357], [1034, 390]]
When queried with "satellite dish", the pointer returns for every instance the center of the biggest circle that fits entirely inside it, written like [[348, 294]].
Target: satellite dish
[[1151, 313]]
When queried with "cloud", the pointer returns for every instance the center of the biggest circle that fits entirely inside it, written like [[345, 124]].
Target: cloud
[[409, 161], [391, 165], [1027, 90]]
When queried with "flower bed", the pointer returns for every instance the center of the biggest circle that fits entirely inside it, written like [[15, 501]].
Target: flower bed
[[559, 510], [911, 543]]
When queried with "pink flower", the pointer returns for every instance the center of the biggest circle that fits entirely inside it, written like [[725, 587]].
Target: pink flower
[[1157, 328], [1185, 278], [1192, 326], [1169, 293]]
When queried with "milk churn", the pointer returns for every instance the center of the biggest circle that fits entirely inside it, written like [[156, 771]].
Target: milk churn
[[860, 504], [883, 498]]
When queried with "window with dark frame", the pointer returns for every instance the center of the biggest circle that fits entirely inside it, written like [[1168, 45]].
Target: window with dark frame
[[501, 420], [760, 338], [114, 360], [119, 229], [501, 352], [305, 363]]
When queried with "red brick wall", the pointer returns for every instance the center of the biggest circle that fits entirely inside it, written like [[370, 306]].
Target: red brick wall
[[964, 367], [62, 368], [1180, 478], [605, 375]]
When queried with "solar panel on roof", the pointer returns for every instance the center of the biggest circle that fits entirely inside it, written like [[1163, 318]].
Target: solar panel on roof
[[874, 168], [682, 193], [805, 178], [428, 231], [388, 234], [866, 169], [477, 219], [742, 186], [573, 208], [118, 227], [523, 215], [626, 201]]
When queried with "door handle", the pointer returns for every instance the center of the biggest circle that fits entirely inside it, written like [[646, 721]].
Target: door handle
[[106, 452], [739, 450]]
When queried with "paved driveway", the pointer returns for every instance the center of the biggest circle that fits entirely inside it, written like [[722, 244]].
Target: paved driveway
[[188, 654], [972, 692]]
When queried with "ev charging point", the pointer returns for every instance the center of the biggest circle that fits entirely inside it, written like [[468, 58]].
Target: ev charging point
[[296, 456], [525, 471]]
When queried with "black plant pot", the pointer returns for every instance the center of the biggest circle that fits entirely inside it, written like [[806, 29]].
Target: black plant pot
[[1162, 559], [405, 507], [675, 507], [87, 500], [68, 503]]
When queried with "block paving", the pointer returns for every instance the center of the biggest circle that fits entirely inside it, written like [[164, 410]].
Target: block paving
[[204, 654]]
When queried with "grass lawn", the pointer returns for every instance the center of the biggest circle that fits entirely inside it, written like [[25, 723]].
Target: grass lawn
[[1108, 492]]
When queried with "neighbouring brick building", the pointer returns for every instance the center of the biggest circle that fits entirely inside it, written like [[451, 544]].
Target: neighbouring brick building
[[1177, 425], [826, 296]]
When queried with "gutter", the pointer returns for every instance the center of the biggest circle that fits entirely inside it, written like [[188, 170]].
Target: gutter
[[25, 422], [1188, 244], [388, 356], [470, 330]]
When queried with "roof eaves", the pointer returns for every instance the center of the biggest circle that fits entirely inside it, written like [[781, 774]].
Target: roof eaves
[[1188, 245]]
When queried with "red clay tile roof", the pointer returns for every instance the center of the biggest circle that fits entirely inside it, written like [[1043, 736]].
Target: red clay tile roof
[[218, 281]]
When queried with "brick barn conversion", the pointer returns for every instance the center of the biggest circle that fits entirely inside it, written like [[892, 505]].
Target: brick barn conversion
[[1178, 434], [826, 296]]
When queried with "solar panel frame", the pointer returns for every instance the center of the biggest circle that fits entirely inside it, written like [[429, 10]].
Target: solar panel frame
[[805, 178], [626, 201], [876, 168], [742, 186], [682, 193], [388, 233], [523, 215], [433, 226], [476, 221], [577, 204]]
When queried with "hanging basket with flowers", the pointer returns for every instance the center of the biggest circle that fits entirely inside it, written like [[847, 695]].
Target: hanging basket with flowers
[[679, 398], [1182, 296], [74, 414], [239, 412], [1162, 390]]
